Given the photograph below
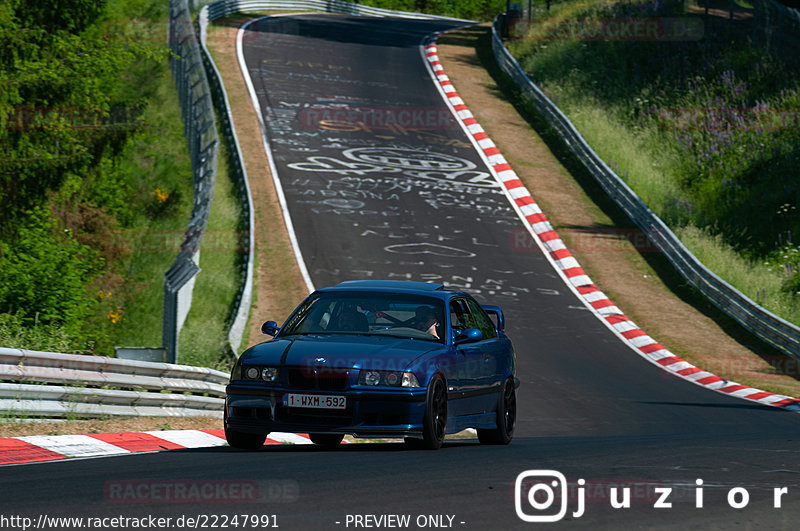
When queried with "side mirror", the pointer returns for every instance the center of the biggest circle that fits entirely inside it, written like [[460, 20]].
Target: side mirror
[[270, 328], [470, 335]]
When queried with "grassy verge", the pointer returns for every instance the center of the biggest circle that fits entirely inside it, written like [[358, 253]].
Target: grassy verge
[[641, 282], [158, 159], [699, 130], [13, 427], [204, 335]]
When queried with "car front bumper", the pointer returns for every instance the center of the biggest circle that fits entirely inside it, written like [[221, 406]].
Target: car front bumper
[[380, 412]]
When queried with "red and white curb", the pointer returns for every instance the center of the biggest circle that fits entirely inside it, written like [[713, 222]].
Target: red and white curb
[[568, 267], [33, 448]]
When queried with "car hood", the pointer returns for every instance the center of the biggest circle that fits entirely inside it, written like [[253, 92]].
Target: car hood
[[340, 351]]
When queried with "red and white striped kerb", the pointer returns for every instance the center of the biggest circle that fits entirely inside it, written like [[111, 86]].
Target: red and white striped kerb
[[33, 448], [569, 268]]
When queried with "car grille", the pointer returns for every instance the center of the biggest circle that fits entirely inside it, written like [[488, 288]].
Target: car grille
[[319, 378]]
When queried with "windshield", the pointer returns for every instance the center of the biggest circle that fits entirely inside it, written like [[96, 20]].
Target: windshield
[[392, 314]]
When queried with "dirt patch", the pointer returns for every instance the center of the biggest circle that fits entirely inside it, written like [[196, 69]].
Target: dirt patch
[[613, 252], [278, 284], [78, 427]]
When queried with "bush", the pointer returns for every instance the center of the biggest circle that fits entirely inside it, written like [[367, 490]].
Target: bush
[[44, 273], [469, 9], [716, 119], [17, 332]]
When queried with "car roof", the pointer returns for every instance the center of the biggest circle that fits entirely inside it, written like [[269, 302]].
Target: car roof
[[391, 286]]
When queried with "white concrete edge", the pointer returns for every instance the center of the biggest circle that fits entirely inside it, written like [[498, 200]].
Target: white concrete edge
[[237, 328], [273, 168]]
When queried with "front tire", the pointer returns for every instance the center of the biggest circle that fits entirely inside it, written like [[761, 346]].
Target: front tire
[[506, 417], [329, 441], [243, 441], [435, 421]]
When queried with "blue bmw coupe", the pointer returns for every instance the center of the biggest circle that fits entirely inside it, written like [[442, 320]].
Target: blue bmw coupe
[[377, 359]]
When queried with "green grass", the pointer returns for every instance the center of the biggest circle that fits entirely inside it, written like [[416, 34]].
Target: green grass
[[133, 208], [730, 199], [203, 338], [42, 337], [158, 156]]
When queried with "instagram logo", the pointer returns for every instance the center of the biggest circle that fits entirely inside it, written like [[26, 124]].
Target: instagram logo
[[542, 490]]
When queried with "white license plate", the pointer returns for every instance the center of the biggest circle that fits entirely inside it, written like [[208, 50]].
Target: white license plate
[[315, 401]]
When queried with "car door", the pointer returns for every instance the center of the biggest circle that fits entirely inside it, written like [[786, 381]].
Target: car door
[[477, 361]]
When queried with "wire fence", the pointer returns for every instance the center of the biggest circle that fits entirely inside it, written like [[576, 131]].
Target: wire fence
[[767, 326], [222, 8], [201, 135], [244, 296]]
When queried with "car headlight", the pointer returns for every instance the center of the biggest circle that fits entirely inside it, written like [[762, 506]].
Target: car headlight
[[410, 380], [370, 378], [388, 378], [266, 374], [269, 374]]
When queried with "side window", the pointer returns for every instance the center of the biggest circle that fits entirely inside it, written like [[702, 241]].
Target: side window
[[459, 316], [481, 321]]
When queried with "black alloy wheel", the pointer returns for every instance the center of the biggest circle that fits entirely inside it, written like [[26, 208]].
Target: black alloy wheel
[[506, 417]]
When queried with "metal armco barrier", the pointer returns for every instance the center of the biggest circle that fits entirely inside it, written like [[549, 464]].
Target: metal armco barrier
[[94, 386], [201, 135], [244, 298], [777, 27], [223, 8], [765, 325]]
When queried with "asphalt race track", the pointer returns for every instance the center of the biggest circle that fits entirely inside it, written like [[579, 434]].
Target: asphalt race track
[[380, 182]]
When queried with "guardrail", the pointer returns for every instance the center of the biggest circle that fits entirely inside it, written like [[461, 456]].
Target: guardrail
[[245, 295], [48, 384], [223, 8], [777, 27], [765, 325], [201, 135]]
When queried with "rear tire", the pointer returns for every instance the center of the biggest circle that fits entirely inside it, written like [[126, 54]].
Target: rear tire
[[329, 441], [434, 422], [506, 417]]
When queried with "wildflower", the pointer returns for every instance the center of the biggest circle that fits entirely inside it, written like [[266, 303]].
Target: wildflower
[[161, 195], [115, 315]]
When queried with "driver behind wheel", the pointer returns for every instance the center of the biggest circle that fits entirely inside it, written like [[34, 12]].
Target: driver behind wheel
[[425, 319]]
